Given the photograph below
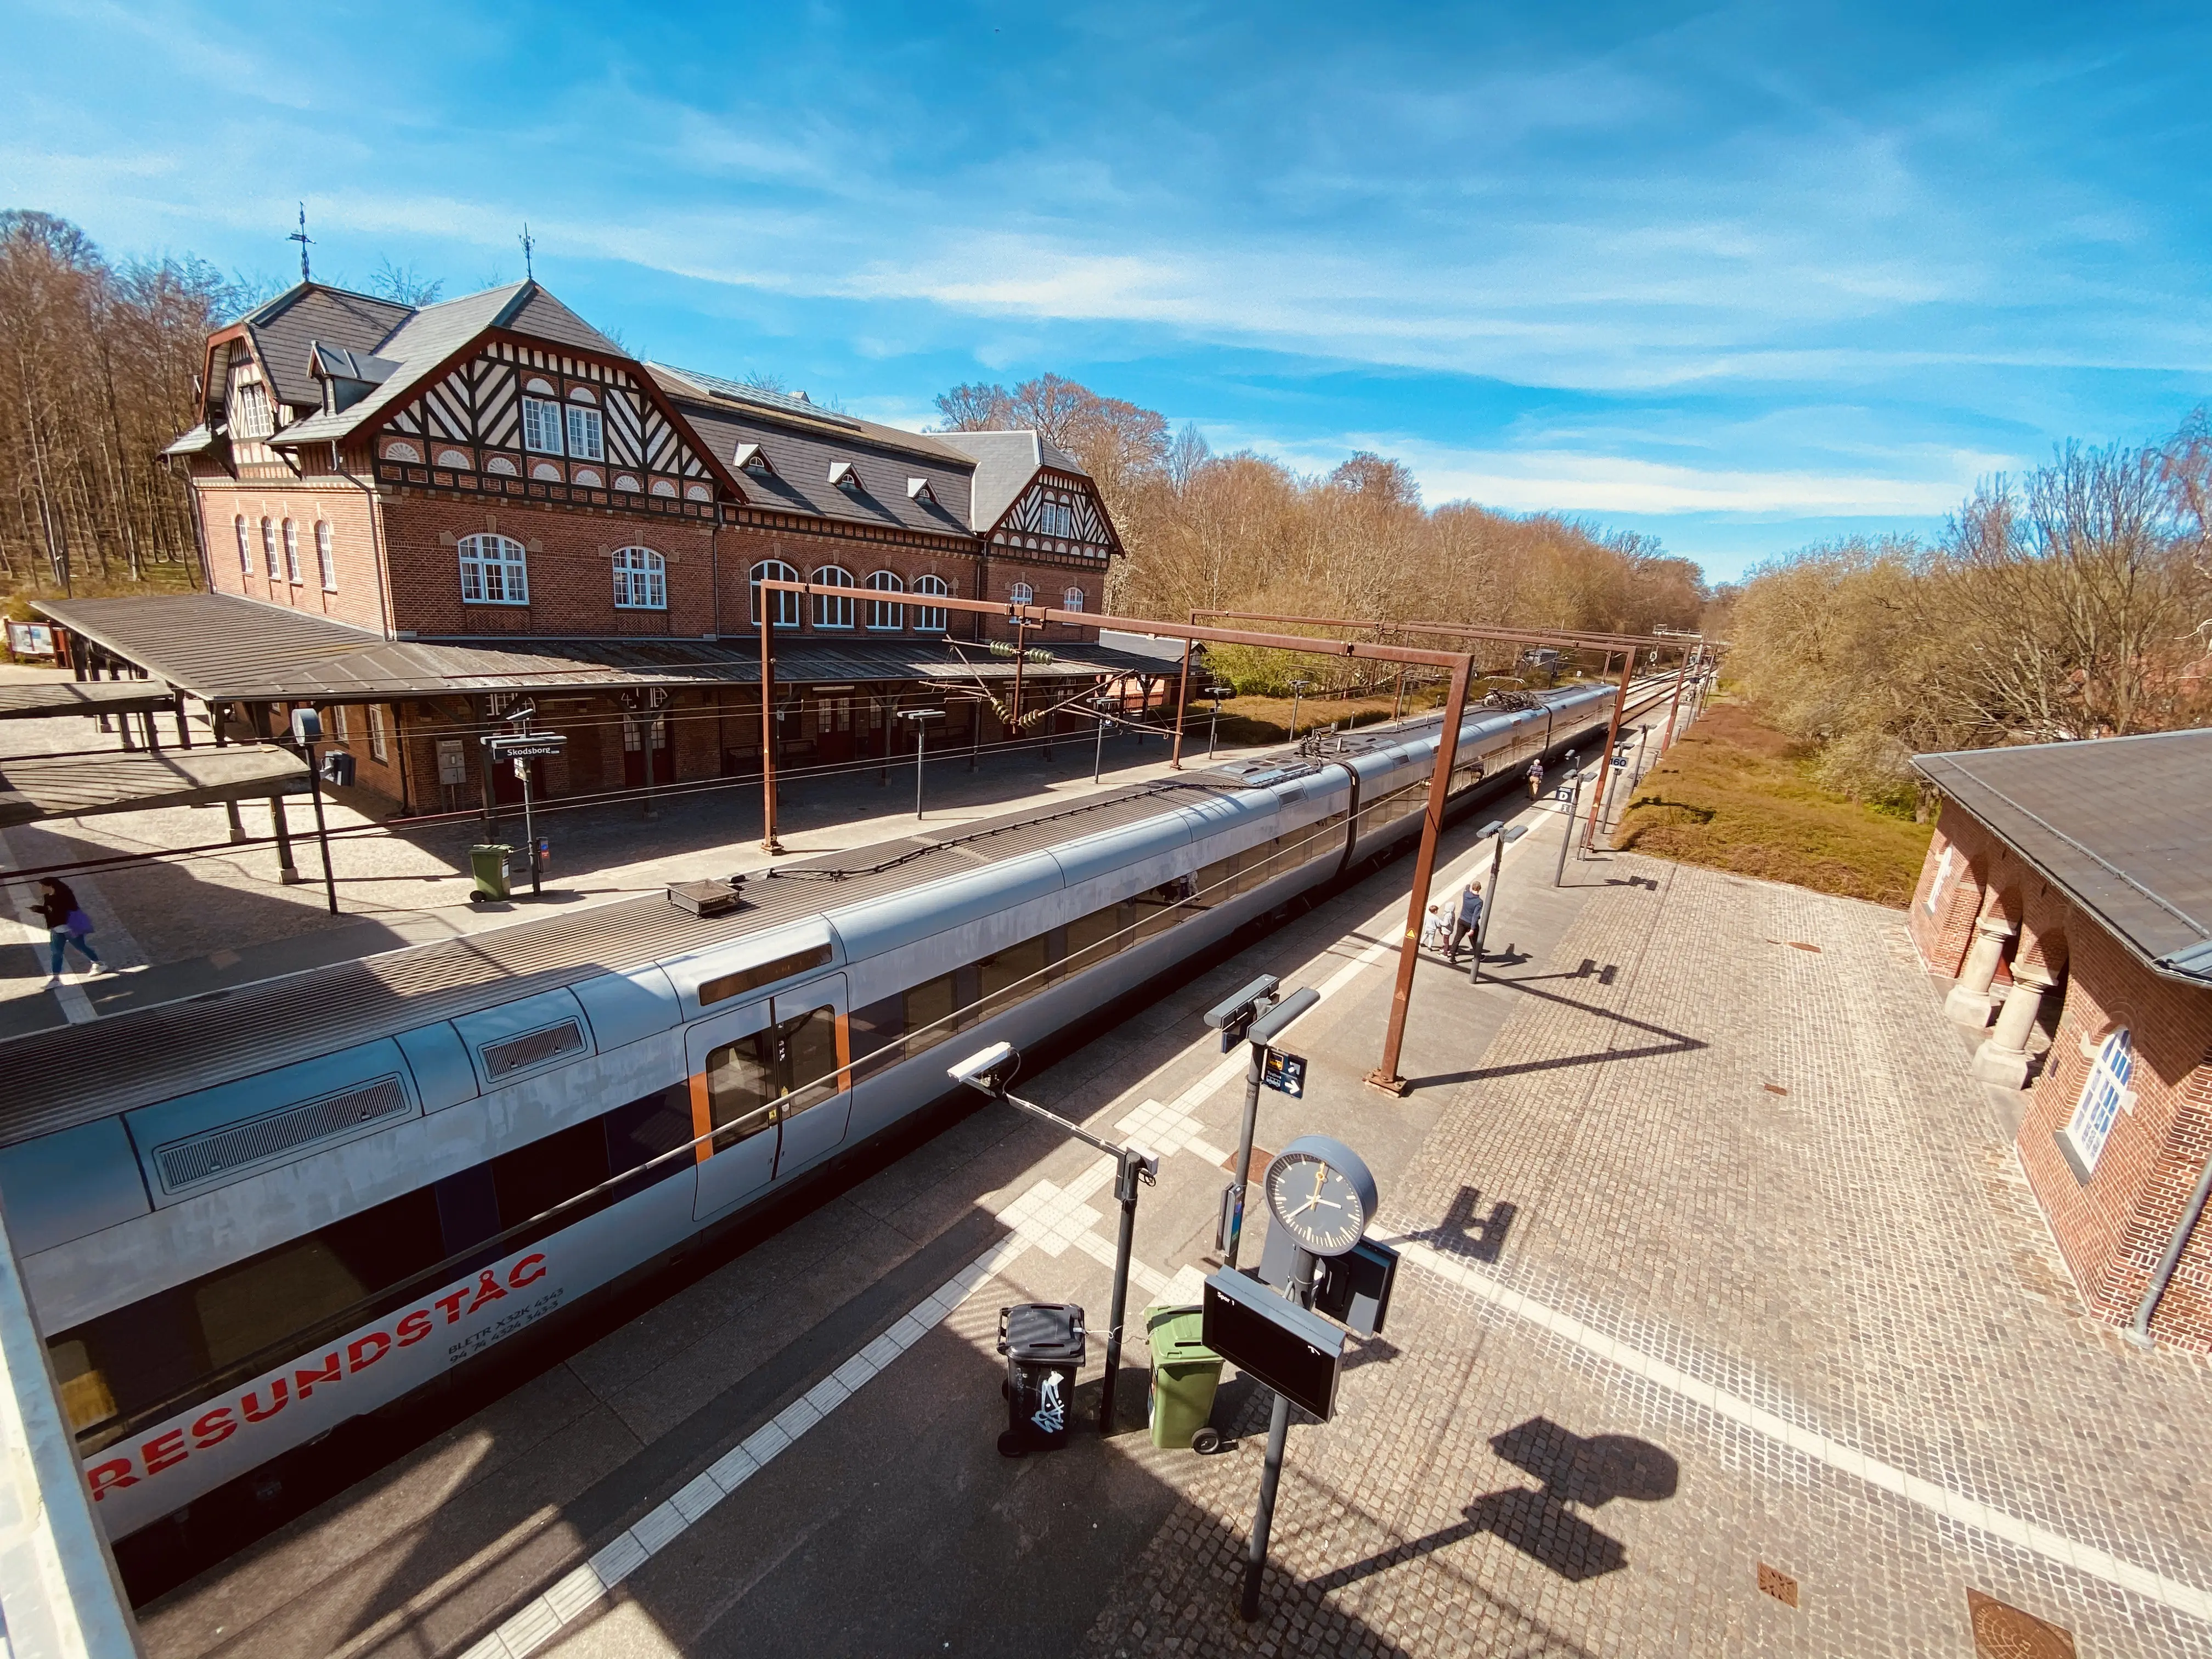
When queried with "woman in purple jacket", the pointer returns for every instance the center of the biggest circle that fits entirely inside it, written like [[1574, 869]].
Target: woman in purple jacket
[[66, 925]]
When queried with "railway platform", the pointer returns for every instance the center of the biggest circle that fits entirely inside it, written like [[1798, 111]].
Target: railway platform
[[1725, 1327]]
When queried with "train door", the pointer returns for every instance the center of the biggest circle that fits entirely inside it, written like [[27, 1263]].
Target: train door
[[735, 1095], [814, 1053]]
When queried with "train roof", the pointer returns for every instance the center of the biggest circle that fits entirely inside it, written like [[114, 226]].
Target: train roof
[[73, 1074]]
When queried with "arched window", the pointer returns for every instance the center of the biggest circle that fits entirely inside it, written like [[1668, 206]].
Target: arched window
[[785, 608], [830, 609], [640, 580], [1023, 594], [268, 549], [1071, 600], [2104, 1094], [325, 560], [883, 616], [291, 552], [930, 618], [244, 548], [494, 570]]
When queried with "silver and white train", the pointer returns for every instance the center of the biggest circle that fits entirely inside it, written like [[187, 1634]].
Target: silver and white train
[[249, 1217]]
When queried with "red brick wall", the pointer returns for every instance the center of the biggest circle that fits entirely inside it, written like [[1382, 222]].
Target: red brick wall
[[352, 551], [2112, 1229]]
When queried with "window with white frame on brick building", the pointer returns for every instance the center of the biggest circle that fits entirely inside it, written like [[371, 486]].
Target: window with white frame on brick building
[[494, 570], [640, 580], [585, 434], [1022, 593], [783, 608], [1071, 600], [244, 547], [2105, 1095], [291, 553], [930, 618], [541, 426], [379, 743], [326, 559], [268, 549], [883, 616], [833, 609]]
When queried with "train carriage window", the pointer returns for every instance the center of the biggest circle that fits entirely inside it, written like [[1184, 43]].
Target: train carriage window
[[86, 1398], [531, 1180], [876, 1027], [261, 1302], [1255, 866], [1091, 939], [741, 1091], [809, 1058], [1216, 884], [1009, 976], [1158, 909], [726, 986], [929, 1012]]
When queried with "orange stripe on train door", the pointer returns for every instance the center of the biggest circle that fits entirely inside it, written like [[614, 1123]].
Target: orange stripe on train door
[[702, 1118]]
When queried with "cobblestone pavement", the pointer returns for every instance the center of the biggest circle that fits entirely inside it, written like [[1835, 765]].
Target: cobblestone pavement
[[1715, 1261]]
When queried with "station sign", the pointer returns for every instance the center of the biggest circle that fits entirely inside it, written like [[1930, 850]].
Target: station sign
[[528, 745], [1285, 1073], [1296, 1352], [1354, 1289]]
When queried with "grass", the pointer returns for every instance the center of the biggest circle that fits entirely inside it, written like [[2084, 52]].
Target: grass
[[1735, 794]]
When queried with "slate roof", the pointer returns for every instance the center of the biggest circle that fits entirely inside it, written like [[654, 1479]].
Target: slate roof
[[802, 444], [424, 340], [285, 330], [2118, 824], [1005, 464], [218, 646]]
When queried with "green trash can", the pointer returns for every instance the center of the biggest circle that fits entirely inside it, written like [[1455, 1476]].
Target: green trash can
[[1185, 1374], [488, 863]]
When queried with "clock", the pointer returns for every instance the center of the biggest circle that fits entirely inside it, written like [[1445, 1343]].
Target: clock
[[1321, 1195]]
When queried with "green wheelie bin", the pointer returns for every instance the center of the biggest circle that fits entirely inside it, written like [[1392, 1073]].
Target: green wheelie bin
[[1185, 1374], [488, 864]]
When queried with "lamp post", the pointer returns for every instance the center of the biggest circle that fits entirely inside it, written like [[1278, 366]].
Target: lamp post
[[1501, 837], [921, 717], [1101, 703], [1259, 1016], [1213, 726], [1297, 687], [988, 1073]]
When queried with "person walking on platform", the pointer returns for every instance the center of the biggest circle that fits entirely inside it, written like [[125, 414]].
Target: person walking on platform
[[1468, 922], [1536, 779], [66, 925]]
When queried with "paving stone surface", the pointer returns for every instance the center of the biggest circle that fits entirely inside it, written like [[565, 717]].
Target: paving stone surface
[[1724, 1126]]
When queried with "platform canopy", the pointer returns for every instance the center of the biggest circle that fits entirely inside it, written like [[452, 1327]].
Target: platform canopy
[[82, 786], [47, 699], [222, 648]]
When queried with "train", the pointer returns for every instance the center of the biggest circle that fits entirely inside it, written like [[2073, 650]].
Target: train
[[248, 1217]]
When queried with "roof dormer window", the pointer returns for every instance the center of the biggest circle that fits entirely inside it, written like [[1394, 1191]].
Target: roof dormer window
[[842, 475], [250, 413], [918, 489], [750, 458]]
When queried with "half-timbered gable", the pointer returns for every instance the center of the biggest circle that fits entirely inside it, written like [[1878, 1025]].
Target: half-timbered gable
[[1032, 501]]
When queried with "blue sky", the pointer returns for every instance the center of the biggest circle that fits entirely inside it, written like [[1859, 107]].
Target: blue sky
[[1740, 277]]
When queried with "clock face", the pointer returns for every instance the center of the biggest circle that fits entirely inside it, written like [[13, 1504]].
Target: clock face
[[1316, 1202]]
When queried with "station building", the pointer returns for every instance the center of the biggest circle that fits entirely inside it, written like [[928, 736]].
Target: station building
[[2067, 898], [414, 518]]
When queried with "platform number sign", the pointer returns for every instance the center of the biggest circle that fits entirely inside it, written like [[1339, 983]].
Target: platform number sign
[[1285, 1073]]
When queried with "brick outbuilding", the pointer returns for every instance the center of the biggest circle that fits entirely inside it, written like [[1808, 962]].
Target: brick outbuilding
[[2068, 898]]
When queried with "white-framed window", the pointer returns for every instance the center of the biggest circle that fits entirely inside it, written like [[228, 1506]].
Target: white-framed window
[[326, 558], [291, 552], [930, 618], [541, 425], [1023, 594], [252, 414], [640, 580], [1071, 600], [494, 570], [585, 434], [784, 610], [882, 615], [379, 745], [2105, 1095], [1942, 875], [341, 724], [269, 548], [244, 547], [833, 609], [1058, 518]]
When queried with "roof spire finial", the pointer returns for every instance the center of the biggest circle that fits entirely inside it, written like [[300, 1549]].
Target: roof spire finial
[[302, 237], [528, 242]]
